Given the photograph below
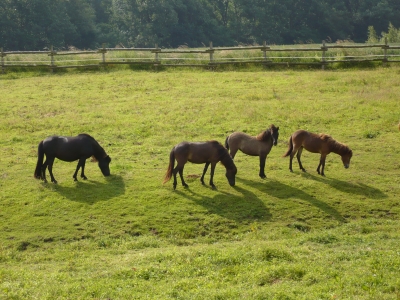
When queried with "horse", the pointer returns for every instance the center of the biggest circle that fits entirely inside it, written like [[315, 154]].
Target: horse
[[316, 143], [69, 149], [259, 145], [210, 152]]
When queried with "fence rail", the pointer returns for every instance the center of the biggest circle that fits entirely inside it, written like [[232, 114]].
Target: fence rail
[[207, 57]]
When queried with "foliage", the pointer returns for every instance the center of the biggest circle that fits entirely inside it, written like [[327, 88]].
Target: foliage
[[35, 24], [392, 35], [291, 236]]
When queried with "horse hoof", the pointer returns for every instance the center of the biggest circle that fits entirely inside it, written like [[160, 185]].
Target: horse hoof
[[54, 181], [84, 177], [213, 187], [263, 176], [304, 170]]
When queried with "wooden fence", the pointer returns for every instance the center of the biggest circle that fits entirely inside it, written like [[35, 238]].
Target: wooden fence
[[206, 57]]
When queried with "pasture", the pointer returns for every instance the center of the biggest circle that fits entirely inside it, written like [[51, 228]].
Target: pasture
[[289, 236]]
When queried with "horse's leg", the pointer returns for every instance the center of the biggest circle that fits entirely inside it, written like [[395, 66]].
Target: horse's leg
[[321, 165], [83, 169], [204, 172], [233, 151], [174, 171], [50, 162], [43, 170], [263, 158], [181, 176], [298, 159], [292, 154], [77, 169], [179, 169], [212, 175]]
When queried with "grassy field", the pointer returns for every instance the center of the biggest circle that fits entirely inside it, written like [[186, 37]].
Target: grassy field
[[290, 236]]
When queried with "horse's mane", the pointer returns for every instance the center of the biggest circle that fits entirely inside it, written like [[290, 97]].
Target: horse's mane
[[335, 146], [266, 134], [101, 153], [223, 154], [88, 135]]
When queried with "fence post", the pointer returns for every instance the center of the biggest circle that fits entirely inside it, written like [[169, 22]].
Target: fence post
[[103, 55], [52, 66], [265, 51], [323, 58], [385, 52], [2, 61], [211, 52], [156, 57]]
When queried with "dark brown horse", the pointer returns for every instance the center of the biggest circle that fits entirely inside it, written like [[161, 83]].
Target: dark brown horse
[[199, 153], [70, 149], [259, 145], [316, 143]]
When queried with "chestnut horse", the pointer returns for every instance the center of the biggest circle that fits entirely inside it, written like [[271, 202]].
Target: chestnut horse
[[70, 149], [209, 152], [316, 143], [259, 145]]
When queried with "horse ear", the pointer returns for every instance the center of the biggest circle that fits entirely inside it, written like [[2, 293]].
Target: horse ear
[[277, 128]]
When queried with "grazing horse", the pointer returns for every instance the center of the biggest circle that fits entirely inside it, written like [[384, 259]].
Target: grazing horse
[[316, 143], [70, 149], [259, 145], [209, 152]]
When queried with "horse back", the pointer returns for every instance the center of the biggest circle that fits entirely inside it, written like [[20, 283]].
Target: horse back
[[68, 148], [248, 144], [197, 152], [312, 142]]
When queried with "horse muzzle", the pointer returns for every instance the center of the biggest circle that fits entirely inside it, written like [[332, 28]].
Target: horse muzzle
[[105, 172], [346, 166]]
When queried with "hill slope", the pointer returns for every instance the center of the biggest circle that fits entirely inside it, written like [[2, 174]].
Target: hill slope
[[290, 236]]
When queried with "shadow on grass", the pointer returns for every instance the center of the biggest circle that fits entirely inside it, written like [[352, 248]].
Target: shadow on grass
[[348, 187], [283, 191], [233, 207], [90, 191]]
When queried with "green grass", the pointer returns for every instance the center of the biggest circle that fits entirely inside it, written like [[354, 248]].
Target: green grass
[[290, 236]]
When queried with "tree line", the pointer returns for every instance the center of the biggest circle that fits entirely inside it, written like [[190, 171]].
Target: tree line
[[87, 24]]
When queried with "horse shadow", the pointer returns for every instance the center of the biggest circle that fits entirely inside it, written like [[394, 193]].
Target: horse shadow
[[348, 187], [247, 207], [91, 191], [283, 191]]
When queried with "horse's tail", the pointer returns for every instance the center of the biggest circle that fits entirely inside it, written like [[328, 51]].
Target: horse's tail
[[290, 148], [226, 142], [168, 174], [39, 164]]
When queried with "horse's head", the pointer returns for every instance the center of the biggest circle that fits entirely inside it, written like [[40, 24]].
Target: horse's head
[[230, 175], [346, 158], [274, 134], [104, 165]]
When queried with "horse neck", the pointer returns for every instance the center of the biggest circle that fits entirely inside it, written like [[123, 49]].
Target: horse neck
[[98, 151], [265, 136], [339, 148], [226, 160]]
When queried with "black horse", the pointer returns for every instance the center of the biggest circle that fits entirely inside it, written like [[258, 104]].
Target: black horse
[[70, 149]]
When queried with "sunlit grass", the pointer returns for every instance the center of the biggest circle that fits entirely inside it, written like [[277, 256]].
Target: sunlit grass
[[291, 236]]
